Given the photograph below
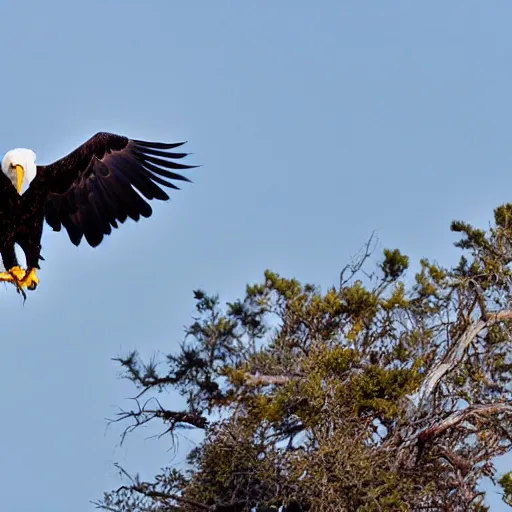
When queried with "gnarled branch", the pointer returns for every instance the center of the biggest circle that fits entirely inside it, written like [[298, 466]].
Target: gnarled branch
[[459, 416], [453, 357]]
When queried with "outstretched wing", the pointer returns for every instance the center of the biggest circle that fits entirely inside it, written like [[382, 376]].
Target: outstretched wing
[[93, 188]]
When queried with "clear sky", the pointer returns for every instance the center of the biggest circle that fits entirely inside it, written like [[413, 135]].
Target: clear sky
[[314, 126]]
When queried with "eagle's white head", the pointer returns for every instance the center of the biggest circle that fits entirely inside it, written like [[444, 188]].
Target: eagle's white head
[[19, 165]]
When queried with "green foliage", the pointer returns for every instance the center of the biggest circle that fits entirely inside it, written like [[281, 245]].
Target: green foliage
[[378, 390], [394, 264], [506, 483], [377, 394]]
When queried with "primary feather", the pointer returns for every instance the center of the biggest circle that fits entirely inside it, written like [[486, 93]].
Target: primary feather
[[93, 188]]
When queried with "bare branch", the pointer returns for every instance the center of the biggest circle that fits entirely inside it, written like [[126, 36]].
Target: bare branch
[[458, 417], [144, 415], [141, 488], [266, 380], [358, 261], [164, 497], [453, 357]]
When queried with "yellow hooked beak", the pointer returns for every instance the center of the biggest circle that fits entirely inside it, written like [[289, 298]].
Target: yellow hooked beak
[[20, 174]]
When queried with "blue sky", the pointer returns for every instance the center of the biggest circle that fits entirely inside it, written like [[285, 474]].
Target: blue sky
[[314, 126]]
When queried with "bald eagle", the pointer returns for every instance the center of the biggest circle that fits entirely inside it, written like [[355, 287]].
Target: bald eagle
[[90, 191]]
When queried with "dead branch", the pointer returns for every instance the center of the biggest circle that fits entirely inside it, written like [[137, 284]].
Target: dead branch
[[458, 417], [453, 357], [358, 261], [266, 380], [142, 415]]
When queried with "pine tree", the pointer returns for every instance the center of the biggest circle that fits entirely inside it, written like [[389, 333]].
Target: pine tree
[[388, 391]]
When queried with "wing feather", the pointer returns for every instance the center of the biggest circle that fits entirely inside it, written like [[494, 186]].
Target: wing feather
[[158, 145], [160, 161], [95, 187], [165, 173]]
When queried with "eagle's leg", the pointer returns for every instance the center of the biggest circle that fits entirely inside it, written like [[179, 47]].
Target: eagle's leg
[[17, 274], [32, 253], [14, 272]]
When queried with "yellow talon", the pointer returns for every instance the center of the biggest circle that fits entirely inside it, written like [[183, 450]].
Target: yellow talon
[[5, 276], [30, 280], [20, 278], [17, 272]]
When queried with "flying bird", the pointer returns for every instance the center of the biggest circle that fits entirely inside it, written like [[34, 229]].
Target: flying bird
[[89, 192]]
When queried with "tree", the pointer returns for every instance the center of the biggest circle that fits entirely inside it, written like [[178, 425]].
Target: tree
[[385, 392]]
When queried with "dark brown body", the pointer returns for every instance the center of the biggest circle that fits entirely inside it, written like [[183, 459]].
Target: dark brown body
[[88, 192], [21, 222]]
